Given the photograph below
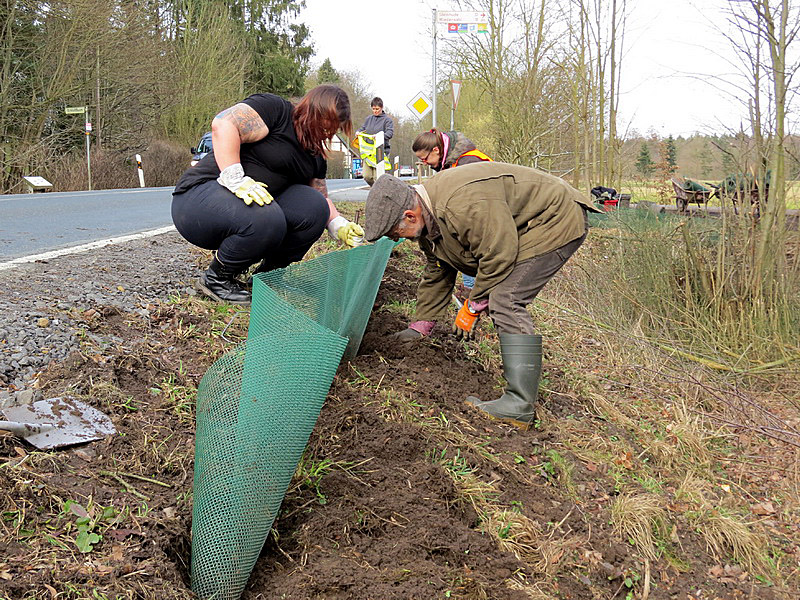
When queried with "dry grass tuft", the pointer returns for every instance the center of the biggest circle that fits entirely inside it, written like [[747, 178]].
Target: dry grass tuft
[[106, 393], [515, 533], [607, 408], [640, 519], [693, 490], [692, 435], [686, 444], [726, 535]]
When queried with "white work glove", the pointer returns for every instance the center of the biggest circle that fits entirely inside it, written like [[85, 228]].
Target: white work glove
[[349, 233], [246, 188]]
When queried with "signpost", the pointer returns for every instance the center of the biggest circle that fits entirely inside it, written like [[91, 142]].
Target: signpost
[[457, 22], [80, 110], [139, 169], [455, 86], [433, 75]]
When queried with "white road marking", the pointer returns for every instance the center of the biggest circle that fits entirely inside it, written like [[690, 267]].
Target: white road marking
[[350, 189], [50, 195], [83, 248]]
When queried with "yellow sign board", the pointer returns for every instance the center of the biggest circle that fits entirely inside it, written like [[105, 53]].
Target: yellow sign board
[[420, 105]]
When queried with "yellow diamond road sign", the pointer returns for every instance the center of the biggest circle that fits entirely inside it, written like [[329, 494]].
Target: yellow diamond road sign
[[420, 105]]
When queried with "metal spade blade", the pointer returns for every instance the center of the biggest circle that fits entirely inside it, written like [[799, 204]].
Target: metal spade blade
[[57, 422]]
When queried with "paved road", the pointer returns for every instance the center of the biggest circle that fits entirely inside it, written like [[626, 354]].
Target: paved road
[[32, 224]]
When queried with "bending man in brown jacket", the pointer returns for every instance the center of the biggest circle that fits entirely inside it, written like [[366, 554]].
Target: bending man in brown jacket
[[512, 228]]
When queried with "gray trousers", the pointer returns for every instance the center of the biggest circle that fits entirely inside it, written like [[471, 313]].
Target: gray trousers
[[508, 302], [369, 172]]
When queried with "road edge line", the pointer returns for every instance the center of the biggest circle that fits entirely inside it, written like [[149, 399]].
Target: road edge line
[[4, 266]]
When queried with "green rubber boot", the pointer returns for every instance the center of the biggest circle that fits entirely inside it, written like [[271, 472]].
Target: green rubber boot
[[522, 367]]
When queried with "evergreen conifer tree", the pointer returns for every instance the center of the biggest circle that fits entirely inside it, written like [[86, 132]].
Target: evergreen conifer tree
[[672, 152], [644, 164]]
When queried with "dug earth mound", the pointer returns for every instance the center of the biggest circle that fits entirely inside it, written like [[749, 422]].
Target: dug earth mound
[[403, 491]]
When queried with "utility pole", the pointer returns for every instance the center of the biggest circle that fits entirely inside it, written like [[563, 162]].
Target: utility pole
[[433, 94], [87, 129]]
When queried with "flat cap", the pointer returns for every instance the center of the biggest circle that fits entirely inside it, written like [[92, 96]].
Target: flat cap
[[388, 199]]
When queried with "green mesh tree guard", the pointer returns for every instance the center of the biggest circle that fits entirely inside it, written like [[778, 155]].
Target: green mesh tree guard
[[257, 405]]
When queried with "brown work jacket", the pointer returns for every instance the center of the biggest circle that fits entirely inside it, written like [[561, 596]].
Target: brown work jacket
[[485, 218]]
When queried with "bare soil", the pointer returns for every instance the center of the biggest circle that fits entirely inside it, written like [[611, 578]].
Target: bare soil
[[395, 513]]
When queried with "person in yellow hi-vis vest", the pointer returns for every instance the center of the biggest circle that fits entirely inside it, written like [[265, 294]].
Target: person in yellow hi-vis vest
[[373, 162], [377, 122], [442, 150]]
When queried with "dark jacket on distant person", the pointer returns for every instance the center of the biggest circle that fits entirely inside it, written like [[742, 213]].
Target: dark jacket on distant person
[[382, 122]]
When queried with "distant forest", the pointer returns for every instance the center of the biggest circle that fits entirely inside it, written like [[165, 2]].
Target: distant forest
[[541, 88]]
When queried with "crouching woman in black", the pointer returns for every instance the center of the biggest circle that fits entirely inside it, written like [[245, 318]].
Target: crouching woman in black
[[260, 195]]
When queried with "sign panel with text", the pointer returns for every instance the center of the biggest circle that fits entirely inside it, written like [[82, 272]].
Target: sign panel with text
[[444, 16], [463, 22]]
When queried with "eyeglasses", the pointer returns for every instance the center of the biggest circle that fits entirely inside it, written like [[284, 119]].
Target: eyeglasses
[[425, 160]]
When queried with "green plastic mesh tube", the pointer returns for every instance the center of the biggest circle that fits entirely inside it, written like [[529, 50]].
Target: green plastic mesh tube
[[257, 405]]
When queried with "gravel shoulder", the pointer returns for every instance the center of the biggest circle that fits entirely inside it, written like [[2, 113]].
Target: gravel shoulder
[[38, 299]]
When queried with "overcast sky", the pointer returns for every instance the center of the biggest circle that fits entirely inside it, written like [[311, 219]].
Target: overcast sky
[[666, 60]]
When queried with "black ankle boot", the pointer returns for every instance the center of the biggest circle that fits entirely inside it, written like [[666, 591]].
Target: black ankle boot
[[219, 282]]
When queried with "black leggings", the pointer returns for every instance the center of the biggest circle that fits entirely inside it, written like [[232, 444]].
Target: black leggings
[[280, 233]]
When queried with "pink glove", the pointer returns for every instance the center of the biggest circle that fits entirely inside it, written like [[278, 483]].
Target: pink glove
[[414, 332], [424, 327], [479, 306]]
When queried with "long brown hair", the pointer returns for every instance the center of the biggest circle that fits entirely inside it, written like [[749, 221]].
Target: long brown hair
[[427, 141], [319, 115]]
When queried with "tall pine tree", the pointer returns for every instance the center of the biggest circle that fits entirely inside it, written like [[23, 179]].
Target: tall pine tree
[[280, 48], [327, 74], [672, 152], [644, 164]]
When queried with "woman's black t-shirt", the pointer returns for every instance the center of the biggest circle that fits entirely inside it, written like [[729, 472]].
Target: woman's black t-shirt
[[278, 160]]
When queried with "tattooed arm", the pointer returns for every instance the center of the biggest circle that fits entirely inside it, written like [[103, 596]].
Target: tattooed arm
[[231, 128]]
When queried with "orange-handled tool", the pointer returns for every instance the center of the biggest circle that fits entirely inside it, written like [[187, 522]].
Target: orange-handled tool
[[464, 326]]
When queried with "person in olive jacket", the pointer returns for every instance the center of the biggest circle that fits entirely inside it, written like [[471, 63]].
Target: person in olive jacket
[[511, 227]]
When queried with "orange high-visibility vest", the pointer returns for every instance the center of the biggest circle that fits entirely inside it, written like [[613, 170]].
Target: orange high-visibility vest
[[476, 152]]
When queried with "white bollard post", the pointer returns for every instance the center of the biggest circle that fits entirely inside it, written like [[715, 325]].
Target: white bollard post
[[140, 170], [380, 167], [397, 166]]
